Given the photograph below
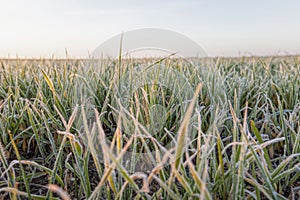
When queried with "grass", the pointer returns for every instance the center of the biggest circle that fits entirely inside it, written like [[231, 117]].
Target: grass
[[150, 129]]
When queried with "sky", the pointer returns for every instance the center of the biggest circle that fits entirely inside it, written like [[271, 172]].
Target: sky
[[41, 28]]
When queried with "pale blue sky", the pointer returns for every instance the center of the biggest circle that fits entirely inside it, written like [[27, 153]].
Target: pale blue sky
[[224, 28]]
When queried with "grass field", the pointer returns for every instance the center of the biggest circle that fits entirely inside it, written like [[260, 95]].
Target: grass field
[[230, 131]]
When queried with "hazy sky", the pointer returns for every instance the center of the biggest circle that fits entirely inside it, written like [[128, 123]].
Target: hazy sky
[[34, 28]]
